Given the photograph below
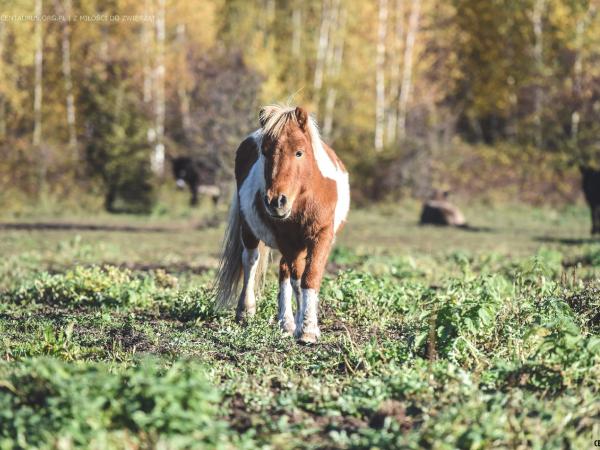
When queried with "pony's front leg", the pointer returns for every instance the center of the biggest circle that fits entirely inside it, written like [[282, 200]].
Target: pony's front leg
[[285, 316], [307, 327]]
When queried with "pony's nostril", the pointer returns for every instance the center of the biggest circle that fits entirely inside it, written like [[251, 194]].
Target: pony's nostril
[[282, 200]]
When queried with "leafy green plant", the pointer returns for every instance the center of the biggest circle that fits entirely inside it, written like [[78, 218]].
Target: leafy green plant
[[44, 401]]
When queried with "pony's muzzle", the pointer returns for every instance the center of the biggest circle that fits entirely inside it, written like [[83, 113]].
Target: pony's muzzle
[[278, 206]]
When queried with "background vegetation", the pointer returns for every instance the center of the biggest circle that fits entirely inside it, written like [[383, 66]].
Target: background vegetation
[[497, 99]]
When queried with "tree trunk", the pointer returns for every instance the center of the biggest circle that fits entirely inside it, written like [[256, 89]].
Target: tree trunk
[[37, 96], [396, 63], [380, 75], [296, 29], [66, 70], [538, 51], [184, 101], [578, 71], [405, 87], [2, 99], [336, 66], [146, 46], [322, 44], [158, 157]]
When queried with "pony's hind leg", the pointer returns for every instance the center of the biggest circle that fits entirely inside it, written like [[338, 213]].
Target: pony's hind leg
[[250, 256], [285, 316]]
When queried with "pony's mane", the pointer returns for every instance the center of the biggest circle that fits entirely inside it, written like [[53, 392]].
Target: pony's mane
[[276, 117]]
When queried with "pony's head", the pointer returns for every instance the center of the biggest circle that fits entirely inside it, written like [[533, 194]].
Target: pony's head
[[287, 149]]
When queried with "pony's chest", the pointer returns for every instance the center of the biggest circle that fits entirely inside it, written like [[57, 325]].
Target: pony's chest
[[252, 186]]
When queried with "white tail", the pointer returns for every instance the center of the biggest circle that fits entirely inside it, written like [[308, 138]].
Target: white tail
[[230, 264]]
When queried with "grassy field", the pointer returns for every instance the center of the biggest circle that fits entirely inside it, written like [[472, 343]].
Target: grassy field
[[431, 338]]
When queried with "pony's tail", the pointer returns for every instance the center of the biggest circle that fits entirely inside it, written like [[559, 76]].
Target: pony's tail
[[229, 273]]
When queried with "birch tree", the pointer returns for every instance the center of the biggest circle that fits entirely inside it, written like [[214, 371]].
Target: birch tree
[[147, 42], [68, 79], [182, 93], [406, 86], [380, 75], [37, 95], [296, 29], [158, 157], [395, 65], [2, 99], [334, 72], [538, 49], [577, 77], [322, 44]]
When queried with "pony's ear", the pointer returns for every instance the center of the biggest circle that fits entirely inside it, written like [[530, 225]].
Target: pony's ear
[[301, 117]]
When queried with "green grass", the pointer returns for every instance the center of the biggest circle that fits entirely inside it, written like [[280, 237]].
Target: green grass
[[432, 337]]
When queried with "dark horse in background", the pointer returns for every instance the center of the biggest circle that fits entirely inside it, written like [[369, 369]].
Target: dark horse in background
[[590, 180], [199, 176]]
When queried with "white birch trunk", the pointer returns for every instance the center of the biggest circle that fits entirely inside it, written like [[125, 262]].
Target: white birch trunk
[[37, 95], [2, 99], [333, 33], [147, 63], [66, 70], [336, 66], [296, 29], [380, 75], [406, 86], [538, 51], [396, 63], [322, 44], [184, 101], [158, 157], [578, 70]]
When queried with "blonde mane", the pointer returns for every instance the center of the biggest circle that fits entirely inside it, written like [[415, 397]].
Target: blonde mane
[[276, 117]]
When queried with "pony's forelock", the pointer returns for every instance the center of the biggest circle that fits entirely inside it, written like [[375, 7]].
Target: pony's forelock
[[274, 119]]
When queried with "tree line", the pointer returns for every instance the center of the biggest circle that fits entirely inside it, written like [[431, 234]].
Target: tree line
[[102, 104]]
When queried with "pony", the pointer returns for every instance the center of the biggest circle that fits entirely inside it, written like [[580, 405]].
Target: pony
[[437, 210], [199, 176], [293, 195]]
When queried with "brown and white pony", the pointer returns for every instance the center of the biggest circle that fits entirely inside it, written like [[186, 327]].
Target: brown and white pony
[[292, 195]]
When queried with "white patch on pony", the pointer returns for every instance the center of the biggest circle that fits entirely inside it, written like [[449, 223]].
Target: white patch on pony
[[286, 315], [247, 301], [298, 295], [306, 319], [329, 169], [253, 184]]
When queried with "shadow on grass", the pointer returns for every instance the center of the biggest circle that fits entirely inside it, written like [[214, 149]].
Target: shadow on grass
[[466, 227], [60, 226], [567, 241]]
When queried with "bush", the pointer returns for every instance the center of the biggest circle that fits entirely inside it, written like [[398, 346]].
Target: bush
[[44, 402]]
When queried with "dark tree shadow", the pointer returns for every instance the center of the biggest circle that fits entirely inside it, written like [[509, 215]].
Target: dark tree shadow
[[59, 226], [566, 241], [469, 228]]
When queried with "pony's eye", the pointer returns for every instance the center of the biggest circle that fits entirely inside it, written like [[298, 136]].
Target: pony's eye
[[299, 153]]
